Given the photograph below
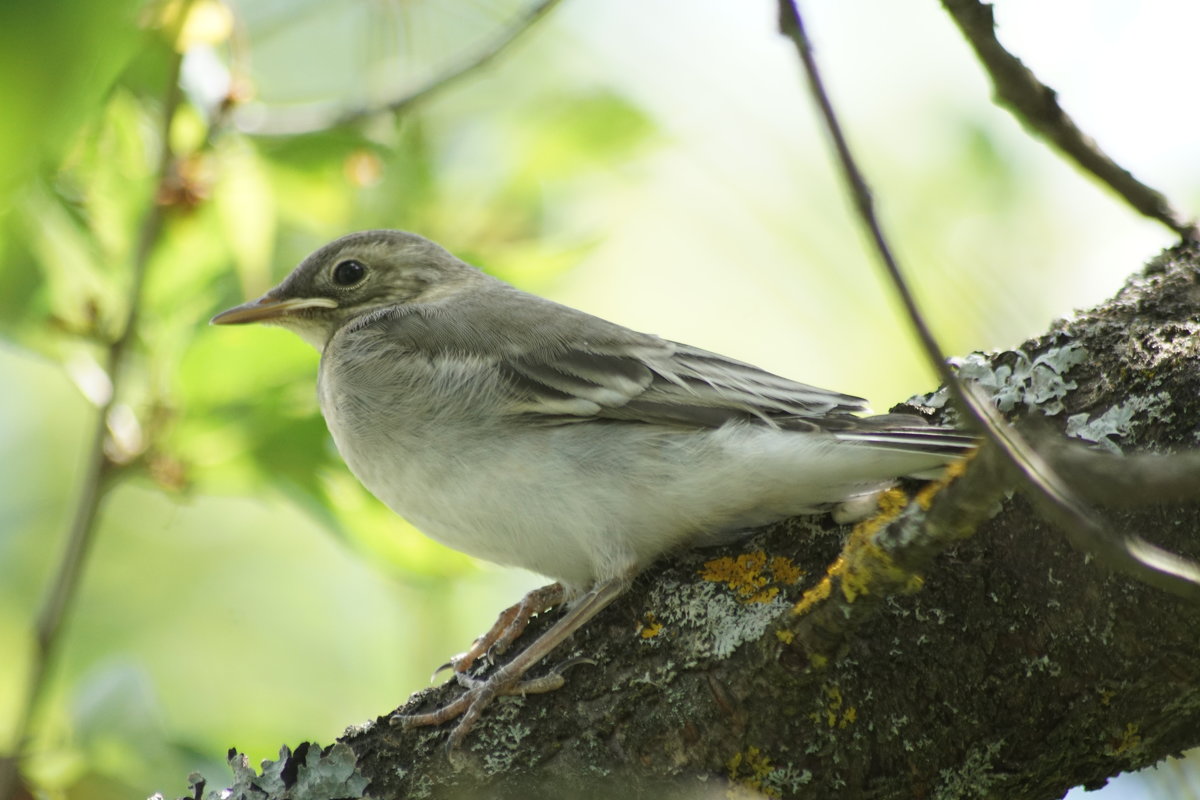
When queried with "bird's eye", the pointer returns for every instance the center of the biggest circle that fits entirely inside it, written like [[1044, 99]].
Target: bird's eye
[[349, 272]]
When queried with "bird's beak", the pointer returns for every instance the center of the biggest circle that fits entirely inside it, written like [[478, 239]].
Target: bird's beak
[[267, 308]]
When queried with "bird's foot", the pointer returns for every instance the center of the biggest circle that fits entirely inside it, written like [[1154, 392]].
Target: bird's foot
[[479, 695], [507, 628], [509, 678], [546, 683]]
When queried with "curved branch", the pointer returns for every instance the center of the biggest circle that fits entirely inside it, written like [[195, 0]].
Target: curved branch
[[321, 117], [1035, 105]]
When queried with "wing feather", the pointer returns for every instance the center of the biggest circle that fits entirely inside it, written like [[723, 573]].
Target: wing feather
[[559, 366], [656, 381]]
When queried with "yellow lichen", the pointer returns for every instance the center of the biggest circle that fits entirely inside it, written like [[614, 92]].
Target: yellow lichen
[[1130, 739], [749, 770], [785, 636], [925, 496], [649, 626], [813, 596], [890, 503], [835, 714], [834, 696], [743, 574], [784, 571], [750, 575], [863, 565]]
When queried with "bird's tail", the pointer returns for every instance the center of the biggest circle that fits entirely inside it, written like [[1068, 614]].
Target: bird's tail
[[923, 439]]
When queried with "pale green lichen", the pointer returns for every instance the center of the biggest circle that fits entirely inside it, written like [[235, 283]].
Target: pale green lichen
[[974, 778], [501, 740], [1118, 420], [1038, 382], [313, 774], [787, 780], [360, 729], [662, 676], [752, 770], [1041, 664], [708, 620]]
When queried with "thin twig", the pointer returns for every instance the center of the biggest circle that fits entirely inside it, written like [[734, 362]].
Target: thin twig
[[1132, 554], [100, 468], [1036, 106], [1129, 552], [1137, 479], [791, 26], [322, 117]]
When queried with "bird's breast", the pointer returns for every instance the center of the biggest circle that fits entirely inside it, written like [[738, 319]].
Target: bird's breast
[[430, 443]]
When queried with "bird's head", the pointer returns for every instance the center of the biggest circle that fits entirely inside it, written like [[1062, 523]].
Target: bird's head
[[351, 276]]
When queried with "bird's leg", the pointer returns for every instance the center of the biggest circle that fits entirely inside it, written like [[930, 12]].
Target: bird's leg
[[549, 682], [511, 623], [507, 678]]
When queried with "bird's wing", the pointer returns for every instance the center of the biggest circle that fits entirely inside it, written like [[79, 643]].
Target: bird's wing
[[676, 385], [557, 365], [643, 378]]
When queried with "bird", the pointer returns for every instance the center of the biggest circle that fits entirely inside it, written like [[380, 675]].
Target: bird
[[528, 433]]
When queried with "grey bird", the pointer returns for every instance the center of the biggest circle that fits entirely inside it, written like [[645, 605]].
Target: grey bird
[[527, 433]]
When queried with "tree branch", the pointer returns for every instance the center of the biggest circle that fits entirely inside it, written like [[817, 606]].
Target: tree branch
[[319, 118], [1035, 105]]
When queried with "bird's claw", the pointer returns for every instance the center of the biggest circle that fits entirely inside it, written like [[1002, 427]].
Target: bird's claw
[[507, 679]]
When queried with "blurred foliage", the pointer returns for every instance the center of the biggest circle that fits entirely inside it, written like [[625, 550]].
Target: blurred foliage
[[54, 83], [201, 412]]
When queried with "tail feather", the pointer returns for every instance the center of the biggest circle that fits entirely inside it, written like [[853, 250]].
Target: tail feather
[[949, 442]]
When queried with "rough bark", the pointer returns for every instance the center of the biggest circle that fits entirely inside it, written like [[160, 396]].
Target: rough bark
[[1012, 666]]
